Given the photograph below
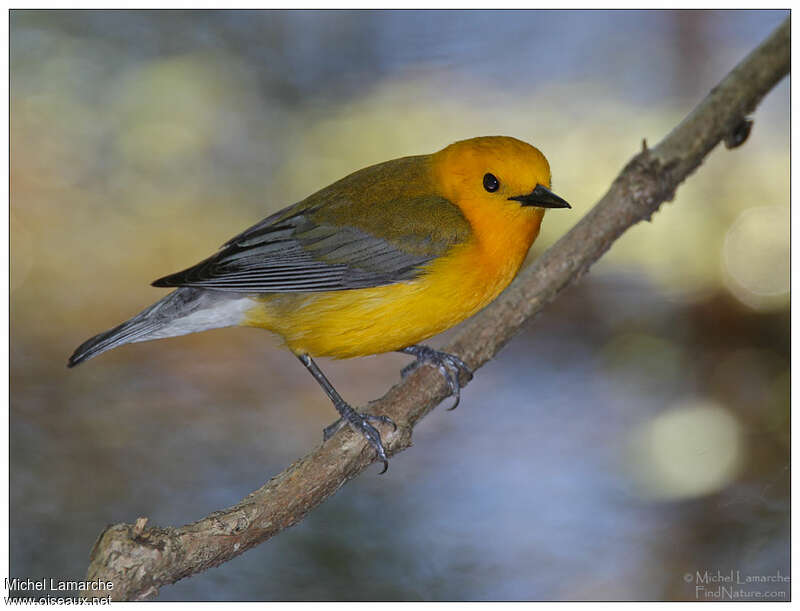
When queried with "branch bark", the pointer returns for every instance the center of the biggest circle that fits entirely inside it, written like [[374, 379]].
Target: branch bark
[[139, 559]]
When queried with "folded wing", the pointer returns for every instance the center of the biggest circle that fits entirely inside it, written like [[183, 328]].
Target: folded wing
[[306, 248]]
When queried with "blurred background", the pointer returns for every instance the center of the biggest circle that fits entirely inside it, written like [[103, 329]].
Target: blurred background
[[634, 434]]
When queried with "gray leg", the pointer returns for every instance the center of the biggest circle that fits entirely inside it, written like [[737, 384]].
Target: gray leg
[[357, 420]]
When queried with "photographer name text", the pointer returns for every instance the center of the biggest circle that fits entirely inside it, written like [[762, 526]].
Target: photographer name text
[[736, 577], [60, 585]]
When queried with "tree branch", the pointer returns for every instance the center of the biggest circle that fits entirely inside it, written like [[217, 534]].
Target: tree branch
[[138, 559]]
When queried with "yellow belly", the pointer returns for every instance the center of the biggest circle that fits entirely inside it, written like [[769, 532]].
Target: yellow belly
[[358, 322]]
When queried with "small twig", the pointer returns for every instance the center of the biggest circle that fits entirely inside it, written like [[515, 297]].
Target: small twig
[[138, 560]]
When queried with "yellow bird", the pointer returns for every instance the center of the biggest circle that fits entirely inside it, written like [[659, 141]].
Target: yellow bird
[[376, 262]]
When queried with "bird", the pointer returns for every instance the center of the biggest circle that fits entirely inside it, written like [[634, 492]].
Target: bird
[[376, 262]]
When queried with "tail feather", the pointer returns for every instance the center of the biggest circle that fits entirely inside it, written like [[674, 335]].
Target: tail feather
[[151, 323], [125, 333], [185, 310]]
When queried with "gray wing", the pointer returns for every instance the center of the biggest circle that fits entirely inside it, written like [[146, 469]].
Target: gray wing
[[299, 250]]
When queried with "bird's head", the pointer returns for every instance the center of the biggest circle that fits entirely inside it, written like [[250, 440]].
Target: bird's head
[[493, 172]]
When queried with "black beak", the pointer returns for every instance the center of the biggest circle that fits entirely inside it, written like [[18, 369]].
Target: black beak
[[541, 198]]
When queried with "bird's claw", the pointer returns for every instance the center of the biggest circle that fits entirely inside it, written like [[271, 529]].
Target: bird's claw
[[450, 366], [359, 421]]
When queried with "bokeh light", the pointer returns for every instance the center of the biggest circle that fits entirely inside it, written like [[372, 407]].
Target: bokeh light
[[755, 256], [690, 450]]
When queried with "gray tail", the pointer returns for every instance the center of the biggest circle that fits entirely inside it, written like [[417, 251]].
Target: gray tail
[[121, 334], [158, 315]]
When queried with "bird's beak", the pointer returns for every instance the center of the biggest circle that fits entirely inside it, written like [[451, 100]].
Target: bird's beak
[[541, 198]]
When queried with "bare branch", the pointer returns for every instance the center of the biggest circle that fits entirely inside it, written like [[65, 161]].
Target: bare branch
[[139, 560]]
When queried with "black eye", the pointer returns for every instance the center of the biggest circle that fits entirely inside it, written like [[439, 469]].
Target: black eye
[[490, 183]]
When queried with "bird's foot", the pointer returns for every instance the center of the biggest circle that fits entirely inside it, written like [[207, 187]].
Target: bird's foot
[[359, 421], [449, 365]]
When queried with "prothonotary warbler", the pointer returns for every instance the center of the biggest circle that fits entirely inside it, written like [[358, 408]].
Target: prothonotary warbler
[[376, 262]]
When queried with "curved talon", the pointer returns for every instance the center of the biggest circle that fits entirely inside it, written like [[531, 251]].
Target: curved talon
[[384, 419], [330, 430], [373, 437], [450, 366], [456, 402], [360, 422]]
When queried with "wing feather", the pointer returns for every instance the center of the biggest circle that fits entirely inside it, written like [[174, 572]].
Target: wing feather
[[326, 243]]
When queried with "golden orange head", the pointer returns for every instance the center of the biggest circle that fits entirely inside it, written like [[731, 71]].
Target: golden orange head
[[494, 171]]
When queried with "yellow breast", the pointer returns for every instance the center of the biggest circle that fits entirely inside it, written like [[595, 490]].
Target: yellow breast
[[359, 322]]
